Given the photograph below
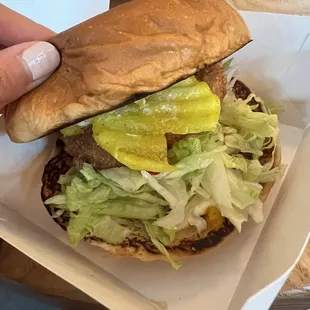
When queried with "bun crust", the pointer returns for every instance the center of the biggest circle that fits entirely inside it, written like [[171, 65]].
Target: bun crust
[[135, 49]]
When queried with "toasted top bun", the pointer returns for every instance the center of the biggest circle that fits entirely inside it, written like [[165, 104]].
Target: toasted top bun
[[135, 49]]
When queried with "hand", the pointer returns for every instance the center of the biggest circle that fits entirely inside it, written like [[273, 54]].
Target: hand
[[25, 59]]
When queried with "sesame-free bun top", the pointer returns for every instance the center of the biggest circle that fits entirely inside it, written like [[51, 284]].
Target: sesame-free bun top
[[135, 49]]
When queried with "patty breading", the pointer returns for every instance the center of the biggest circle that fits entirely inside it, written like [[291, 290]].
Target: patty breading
[[215, 77], [84, 148]]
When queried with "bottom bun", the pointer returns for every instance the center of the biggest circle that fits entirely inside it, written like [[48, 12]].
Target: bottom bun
[[144, 255]]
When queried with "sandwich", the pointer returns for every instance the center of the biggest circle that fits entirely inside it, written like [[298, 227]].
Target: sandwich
[[160, 155]]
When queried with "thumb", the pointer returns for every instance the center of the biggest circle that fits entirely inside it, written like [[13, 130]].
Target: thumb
[[23, 67]]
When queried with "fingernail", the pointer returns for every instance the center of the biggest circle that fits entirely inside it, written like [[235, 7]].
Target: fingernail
[[41, 58]]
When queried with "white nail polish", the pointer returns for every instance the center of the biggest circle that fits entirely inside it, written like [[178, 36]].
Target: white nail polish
[[41, 59]]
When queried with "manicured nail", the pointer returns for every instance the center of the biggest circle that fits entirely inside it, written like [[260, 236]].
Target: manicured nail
[[41, 58]]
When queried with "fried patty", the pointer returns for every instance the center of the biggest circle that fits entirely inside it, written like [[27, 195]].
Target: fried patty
[[84, 148], [215, 77], [241, 91]]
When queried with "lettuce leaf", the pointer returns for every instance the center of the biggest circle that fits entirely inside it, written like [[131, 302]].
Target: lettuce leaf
[[226, 65], [193, 180], [254, 169], [256, 211], [155, 236], [195, 209], [191, 163], [72, 130], [107, 229], [216, 182], [183, 149], [60, 199], [243, 193], [90, 189], [103, 227], [271, 175], [127, 208], [77, 226], [240, 116], [236, 141], [127, 179], [176, 216], [175, 192], [235, 162]]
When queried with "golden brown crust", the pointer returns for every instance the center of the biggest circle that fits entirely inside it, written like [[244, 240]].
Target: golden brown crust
[[216, 78], [134, 49]]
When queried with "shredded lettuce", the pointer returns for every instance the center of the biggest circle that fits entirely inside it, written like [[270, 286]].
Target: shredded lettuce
[[194, 212], [71, 130], [107, 229], [273, 107], [216, 182], [103, 227], [243, 193], [215, 172], [240, 116], [183, 149], [254, 169], [256, 211], [57, 200], [226, 65], [77, 228], [128, 208], [235, 162], [175, 192], [236, 141], [159, 245], [193, 162], [272, 175], [127, 179]]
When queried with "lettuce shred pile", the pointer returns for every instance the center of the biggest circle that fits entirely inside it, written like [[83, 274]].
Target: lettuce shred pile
[[207, 169]]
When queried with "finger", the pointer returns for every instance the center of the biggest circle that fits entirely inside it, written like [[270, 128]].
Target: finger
[[25, 66], [16, 28]]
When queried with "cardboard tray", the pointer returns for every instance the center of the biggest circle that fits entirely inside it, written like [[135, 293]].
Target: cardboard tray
[[245, 272]]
